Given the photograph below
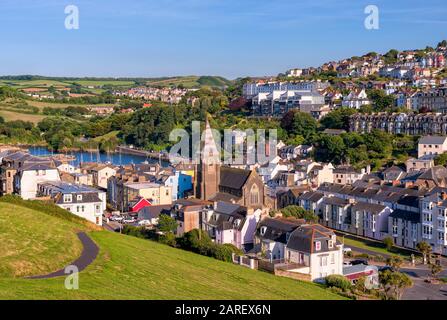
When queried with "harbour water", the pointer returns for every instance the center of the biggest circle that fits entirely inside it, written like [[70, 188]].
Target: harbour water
[[85, 156]]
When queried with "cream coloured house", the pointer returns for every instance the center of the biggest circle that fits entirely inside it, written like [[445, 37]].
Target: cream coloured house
[[157, 193], [432, 145]]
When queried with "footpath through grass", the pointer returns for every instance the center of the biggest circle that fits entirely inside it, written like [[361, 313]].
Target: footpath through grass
[[126, 267]]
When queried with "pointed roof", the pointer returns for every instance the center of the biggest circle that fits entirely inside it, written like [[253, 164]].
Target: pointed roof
[[210, 152]]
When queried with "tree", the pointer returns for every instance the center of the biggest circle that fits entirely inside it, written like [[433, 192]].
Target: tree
[[381, 101], [166, 223], [338, 119], [393, 284], [299, 213], [388, 242], [443, 43], [435, 269], [395, 262], [441, 160], [299, 123], [330, 149], [391, 56], [338, 281], [424, 248]]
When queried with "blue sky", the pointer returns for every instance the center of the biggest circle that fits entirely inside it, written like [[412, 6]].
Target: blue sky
[[232, 38]]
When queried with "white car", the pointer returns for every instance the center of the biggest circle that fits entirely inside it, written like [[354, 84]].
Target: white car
[[117, 218], [144, 223], [129, 220]]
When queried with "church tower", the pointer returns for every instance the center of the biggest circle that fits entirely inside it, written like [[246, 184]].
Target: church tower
[[208, 169]]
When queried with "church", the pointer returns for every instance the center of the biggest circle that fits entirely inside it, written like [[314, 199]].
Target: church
[[217, 182]]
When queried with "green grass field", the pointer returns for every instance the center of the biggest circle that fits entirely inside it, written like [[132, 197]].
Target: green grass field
[[12, 116], [126, 268], [374, 246]]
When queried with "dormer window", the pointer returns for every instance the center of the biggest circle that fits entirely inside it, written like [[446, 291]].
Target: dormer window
[[67, 198], [330, 244], [317, 245], [79, 197]]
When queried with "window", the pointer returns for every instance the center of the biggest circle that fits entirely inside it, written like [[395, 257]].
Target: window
[[254, 194], [330, 244], [79, 197], [323, 261], [67, 198], [317, 245]]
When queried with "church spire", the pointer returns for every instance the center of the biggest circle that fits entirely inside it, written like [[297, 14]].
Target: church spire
[[211, 150]]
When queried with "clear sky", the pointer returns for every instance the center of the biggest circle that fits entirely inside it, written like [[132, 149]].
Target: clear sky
[[232, 38]]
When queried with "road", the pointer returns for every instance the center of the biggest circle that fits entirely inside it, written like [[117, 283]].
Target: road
[[421, 290], [89, 253]]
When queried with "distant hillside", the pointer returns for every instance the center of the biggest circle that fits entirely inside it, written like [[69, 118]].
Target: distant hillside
[[34, 242], [190, 81], [30, 81]]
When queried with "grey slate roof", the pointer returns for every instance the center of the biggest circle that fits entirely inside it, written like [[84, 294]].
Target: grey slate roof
[[151, 212], [313, 196], [304, 237], [432, 140], [414, 217], [232, 177], [368, 207], [277, 229]]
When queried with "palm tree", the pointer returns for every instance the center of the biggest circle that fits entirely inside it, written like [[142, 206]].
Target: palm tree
[[424, 248], [435, 268], [394, 283]]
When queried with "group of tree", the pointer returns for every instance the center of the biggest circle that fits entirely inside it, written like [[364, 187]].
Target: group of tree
[[196, 240], [299, 213]]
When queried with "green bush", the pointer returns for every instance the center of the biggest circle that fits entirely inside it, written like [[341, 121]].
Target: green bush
[[168, 238], [199, 241], [338, 281]]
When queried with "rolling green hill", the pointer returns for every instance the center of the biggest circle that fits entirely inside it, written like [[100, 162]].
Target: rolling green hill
[[126, 268], [190, 81]]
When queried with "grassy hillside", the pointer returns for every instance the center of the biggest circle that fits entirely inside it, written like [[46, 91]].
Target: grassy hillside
[[127, 267], [190, 81], [27, 247]]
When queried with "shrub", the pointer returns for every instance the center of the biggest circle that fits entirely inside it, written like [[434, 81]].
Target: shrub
[[338, 281], [168, 238], [388, 242]]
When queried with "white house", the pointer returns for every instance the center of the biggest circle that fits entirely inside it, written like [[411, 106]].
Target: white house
[[355, 99], [432, 145], [31, 174], [83, 201], [314, 250]]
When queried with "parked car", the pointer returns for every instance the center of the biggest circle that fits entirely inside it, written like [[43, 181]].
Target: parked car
[[117, 218], [385, 268], [129, 220], [359, 261], [144, 223]]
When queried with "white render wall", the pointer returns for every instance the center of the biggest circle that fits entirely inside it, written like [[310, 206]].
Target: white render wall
[[29, 180], [90, 211]]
